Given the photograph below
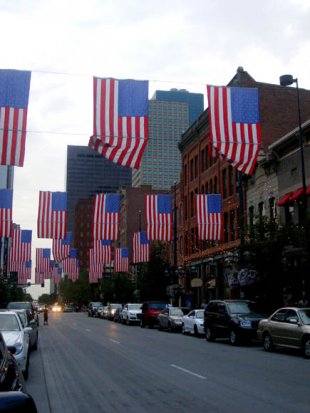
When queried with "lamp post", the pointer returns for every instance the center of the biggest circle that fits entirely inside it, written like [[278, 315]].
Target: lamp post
[[287, 80]]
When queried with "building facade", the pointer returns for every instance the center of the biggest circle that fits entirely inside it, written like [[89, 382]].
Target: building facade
[[170, 114], [215, 262]]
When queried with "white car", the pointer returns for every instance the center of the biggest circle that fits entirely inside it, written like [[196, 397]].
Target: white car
[[193, 322], [16, 338], [131, 313], [34, 333]]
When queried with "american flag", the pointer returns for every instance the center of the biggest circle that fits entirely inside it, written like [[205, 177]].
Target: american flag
[[24, 272], [141, 247], [6, 200], [95, 268], [61, 248], [159, 217], [71, 265], [106, 217], [120, 120], [52, 215], [121, 260], [56, 273], [235, 125], [102, 251], [14, 96], [43, 256], [209, 216], [21, 245], [39, 277]]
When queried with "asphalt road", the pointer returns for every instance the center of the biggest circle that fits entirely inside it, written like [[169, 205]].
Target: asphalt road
[[90, 365]]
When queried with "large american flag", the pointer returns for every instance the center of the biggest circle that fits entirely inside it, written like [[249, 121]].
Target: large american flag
[[141, 247], [56, 272], [235, 125], [61, 248], [14, 96], [52, 215], [6, 201], [21, 245], [121, 260], [43, 256], [95, 268], [106, 217], [120, 120], [159, 217], [209, 216]]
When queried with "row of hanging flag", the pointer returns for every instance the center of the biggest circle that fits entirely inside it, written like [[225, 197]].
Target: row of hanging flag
[[120, 120]]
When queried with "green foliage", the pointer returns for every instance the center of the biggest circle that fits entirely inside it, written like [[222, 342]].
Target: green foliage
[[77, 292], [11, 292], [48, 299]]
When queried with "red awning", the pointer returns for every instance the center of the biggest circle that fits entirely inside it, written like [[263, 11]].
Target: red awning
[[308, 190], [285, 200], [297, 194]]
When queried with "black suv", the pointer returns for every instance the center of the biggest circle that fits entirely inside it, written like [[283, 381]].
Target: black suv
[[234, 319], [92, 308], [25, 305]]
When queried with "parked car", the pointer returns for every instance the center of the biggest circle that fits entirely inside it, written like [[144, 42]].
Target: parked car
[[68, 308], [287, 327], [150, 311], [17, 338], [112, 307], [57, 308], [17, 402], [34, 333], [170, 318], [235, 319], [193, 322], [131, 313], [11, 377], [118, 315], [103, 311], [93, 308], [25, 305]]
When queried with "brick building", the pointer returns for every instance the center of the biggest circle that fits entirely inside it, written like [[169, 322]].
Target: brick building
[[214, 261]]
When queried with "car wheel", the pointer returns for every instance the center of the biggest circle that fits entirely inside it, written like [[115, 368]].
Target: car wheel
[[210, 336], [195, 331], [159, 327], [267, 342], [233, 337], [127, 321], [142, 325], [170, 328], [183, 329], [306, 347]]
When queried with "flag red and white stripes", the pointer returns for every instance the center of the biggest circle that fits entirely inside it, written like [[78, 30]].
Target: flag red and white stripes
[[52, 215], [209, 216], [121, 260], [141, 247], [106, 217], [158, 217], [234, 125]]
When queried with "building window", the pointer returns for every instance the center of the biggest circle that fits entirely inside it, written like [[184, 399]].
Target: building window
[[232, 225], [192, 169], [192, 204], [196, 166], [251, 220], [272, 209], [231, 179], [225, 227], [202, 160], [185, 174], [185, 208], [215, 185]]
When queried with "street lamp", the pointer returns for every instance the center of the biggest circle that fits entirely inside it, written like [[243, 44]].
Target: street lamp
[[287, 80]]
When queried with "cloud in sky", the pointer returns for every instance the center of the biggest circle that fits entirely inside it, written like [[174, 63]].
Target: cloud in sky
[[172, 43]]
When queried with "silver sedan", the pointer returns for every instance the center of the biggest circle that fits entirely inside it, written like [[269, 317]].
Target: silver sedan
[[193, 323]]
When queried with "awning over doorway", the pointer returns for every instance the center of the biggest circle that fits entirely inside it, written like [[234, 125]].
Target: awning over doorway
[[292, 196], [285, 200]]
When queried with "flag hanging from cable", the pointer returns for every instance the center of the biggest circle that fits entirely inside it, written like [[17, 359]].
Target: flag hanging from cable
[[120, 120], [21, 245], [209, 216], [6, 201], [106, 217], [141, 247], [121, 260], [61, 248], [102, 251], [235, 125], [159, 217], [52, 215], [43, 256], [71, 265], [14, 96], [95, 268], [24, 272]]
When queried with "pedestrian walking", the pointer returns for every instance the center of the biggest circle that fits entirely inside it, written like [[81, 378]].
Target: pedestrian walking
[[45, 315]]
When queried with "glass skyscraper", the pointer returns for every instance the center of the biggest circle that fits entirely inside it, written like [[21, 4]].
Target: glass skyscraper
[[170, 114]]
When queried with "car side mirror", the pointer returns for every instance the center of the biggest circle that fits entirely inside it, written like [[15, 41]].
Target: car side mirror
[[293, 320]]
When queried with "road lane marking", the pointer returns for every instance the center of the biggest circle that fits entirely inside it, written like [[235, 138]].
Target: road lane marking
[[188, 371], [115, 341]]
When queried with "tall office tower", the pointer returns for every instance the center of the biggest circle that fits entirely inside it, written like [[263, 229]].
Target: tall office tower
[[89, 173], [170, 114]]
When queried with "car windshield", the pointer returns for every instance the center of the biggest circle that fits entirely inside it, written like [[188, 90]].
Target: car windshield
[[114, 306], [19, 306], [239, 308], [23, 317], [134, 306], [176, 312], [305, 316], [8, 322]]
